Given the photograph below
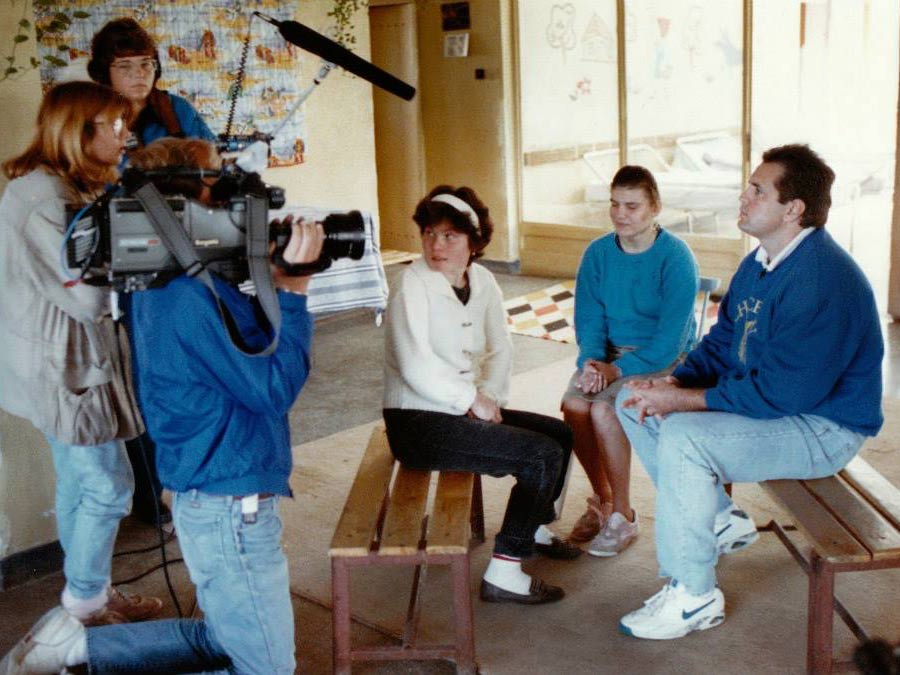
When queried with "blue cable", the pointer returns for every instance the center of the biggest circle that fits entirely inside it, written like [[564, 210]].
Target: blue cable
[[66, 237]]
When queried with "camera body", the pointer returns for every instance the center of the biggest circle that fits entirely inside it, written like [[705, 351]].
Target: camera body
[[117, 237]]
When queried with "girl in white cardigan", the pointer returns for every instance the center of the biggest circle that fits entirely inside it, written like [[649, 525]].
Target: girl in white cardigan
[[448, 360]]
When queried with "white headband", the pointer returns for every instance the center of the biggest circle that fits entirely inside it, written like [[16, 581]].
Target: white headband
[[460, 206]]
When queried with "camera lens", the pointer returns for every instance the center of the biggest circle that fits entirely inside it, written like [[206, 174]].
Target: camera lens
[[345, 236]]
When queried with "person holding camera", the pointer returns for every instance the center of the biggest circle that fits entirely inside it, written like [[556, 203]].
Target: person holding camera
[[63, 365], [448, 358], [125, 57], [219, 417]]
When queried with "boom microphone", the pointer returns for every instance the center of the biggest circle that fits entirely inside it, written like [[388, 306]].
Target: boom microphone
[[316, 43]]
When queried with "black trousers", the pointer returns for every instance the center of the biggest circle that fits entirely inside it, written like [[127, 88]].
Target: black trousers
[[533, 448]]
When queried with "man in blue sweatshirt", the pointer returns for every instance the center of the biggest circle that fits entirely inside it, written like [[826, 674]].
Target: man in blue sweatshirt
[[219, 418], [786, 385]]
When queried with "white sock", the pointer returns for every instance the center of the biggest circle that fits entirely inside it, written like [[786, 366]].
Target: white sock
[[506, 572], [82, 608], [544, 535], [78, 652]]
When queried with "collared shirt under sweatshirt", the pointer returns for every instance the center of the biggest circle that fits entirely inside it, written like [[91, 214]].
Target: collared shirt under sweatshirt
[[803, 338]]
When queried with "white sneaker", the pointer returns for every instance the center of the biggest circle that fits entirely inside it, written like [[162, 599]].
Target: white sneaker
[[616, 535], [45, 647], [673, 613], [734, 530]]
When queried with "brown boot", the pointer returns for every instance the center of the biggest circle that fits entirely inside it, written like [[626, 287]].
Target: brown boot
[[103, 617], [133, 607]]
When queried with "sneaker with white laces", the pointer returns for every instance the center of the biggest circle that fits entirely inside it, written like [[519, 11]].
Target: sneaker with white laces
[[734, 530], [45, 647], [616, 535], [673, 613]]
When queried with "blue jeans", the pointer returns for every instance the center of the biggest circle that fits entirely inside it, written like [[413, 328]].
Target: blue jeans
[[93, 493], [241, 575], [690, 456], [533, 448]]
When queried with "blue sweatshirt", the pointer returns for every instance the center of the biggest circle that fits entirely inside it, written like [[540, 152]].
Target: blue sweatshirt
[[218, 416], [643, 300], [804, 338]]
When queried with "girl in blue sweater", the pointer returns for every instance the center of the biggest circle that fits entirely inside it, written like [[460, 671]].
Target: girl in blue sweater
[[634, 315]]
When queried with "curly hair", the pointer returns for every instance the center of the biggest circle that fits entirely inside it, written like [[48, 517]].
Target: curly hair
[[429, 213]]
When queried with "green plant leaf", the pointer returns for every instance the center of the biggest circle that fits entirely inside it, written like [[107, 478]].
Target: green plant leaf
[[62, 17], [25, 23], [79, 14], [34, 62], [18, 39], [11, 71]]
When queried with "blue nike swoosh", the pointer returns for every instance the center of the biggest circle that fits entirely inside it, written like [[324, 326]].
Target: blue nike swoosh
[[687, 615], [719, 533]]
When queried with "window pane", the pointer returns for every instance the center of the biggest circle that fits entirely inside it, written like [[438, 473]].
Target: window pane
[[683, 72], [567, 63]]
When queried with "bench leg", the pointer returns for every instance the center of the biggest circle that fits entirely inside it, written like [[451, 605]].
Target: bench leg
[[821, 616], [462, 611], [476, 518], [340, 616]]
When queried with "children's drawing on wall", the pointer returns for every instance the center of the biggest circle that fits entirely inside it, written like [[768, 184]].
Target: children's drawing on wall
[[200, 46], [598, 41], [582, 88], [692, 36], [561, 29], [662, 49]]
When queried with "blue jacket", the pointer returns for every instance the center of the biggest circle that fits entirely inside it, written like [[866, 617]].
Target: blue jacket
[[192, 125], [804, 338], [643, 300], [218, 416]]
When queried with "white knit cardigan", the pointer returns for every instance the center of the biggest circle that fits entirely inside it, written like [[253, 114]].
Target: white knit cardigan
[[438, 352]]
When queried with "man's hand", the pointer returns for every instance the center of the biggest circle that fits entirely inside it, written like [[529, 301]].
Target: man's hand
[[304, 246], [484, 408], [597, 376], [661, 396]]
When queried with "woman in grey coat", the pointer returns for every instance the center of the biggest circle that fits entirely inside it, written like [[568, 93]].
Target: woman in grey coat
[[63, 366]]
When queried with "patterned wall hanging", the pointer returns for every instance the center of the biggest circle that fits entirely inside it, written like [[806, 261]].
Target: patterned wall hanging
[[200, 45]]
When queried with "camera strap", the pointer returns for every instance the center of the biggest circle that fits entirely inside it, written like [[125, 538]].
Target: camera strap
[[176, 240]]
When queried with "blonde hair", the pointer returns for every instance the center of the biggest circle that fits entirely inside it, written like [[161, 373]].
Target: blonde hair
[[167, 152], [65, 124]]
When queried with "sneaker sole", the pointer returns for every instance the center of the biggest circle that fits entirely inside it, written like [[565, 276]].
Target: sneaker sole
[[736, 545], [702, 624], [611, 554]]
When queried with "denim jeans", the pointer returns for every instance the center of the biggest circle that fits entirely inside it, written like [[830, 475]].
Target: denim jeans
[[690, 456], [533, 448], [241, 575], [93, 493]]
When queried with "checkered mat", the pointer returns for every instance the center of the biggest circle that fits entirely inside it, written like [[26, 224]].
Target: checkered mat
[[549, 313]]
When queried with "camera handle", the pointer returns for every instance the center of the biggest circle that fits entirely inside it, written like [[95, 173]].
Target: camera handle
[[173, 235]]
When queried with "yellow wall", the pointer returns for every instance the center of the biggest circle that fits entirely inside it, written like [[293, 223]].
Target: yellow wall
[[467, 122], [339, 173]]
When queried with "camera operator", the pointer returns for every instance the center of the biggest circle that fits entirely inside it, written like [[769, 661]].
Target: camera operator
[[125, 57], [219, 418], [60, 365]]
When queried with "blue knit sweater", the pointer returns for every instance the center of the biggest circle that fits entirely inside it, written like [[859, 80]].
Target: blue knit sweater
[[643, 300], [218, 416], [802, 339]]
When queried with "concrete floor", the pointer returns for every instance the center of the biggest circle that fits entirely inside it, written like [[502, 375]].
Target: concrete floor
[[347, 361]]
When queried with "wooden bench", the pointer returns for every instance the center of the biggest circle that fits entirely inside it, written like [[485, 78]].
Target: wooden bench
[[386, 522], [852, 521]]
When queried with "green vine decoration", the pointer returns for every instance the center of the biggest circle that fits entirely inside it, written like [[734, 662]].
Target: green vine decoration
[[342, 12], [50, 25]]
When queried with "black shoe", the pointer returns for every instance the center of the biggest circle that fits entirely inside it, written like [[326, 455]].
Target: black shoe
[[558, 549], [538, 594], [146, 514]]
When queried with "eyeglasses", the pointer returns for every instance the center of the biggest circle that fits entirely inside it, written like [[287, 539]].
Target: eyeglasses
[[117, 126], [129, 68]]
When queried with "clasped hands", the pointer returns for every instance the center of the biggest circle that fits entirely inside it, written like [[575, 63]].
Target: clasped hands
[[596, 376], [655, 397], [485, 408]]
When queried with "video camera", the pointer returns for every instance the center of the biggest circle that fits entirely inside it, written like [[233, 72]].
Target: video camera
[[117, 236]]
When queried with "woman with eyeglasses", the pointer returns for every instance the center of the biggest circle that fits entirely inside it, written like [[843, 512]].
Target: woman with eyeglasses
[[125, 57], [63, 366], [448, 361]]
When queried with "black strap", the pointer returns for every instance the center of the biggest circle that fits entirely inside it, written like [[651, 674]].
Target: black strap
[[175, 239]]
